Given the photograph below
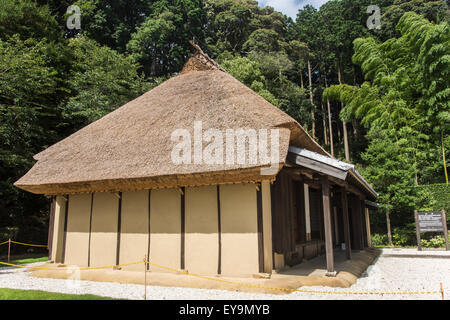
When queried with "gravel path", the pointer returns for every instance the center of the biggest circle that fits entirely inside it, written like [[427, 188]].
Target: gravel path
[[386, 274]]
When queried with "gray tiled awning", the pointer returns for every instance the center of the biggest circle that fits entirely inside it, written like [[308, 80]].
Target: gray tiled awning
[[329, 166]]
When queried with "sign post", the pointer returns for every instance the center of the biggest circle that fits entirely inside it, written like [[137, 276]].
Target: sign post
[[444, 223], [431, 222], [419, 242]]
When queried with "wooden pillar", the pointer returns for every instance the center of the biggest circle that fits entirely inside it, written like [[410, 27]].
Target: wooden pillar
[[357, 223], [354, 238], [51, 227], [336, 226], [307, 212], [327, 226], [348, 247], [362, 223], [369, 236]]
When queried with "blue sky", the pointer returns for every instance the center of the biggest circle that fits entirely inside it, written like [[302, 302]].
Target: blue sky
[[290, 7]]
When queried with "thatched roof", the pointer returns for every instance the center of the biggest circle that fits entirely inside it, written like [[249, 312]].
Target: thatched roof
[[130, 148]]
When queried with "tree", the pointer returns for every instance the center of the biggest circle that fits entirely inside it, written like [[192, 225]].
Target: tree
[[28, 20], [100, 81], [432, 10], [27, 87], [161, 43]]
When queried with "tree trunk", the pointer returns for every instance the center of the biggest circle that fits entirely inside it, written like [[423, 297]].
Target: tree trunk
[[324, 124], [443, 157], [302, 85], [329, 121], [344, 124], [355, 129], [388, 223], [311, 98]]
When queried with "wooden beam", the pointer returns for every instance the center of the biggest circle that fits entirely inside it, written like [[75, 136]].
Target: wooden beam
[[369, 237], [119, 227], [354, 217], [348, 246], [364, 240], [260, 230], [183, 228], [327, 225], [51, 227], [307, 212], [219, 231], [148, 225], [318, 166], [349, 187], [66, 216], [90, 229]]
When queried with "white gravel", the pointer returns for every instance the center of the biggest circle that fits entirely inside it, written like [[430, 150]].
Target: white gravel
[[387, 274]]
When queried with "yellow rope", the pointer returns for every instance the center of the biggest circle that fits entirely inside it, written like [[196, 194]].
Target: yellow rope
[[287, 289], [70, 268], [28, 244], [206, 277]]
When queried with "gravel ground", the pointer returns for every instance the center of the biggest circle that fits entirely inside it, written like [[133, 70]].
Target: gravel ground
[[387, 274]]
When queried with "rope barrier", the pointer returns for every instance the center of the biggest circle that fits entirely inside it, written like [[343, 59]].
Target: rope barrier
[[24, 244], [29, 244], [211, 278], [70, 268], [291, 290]]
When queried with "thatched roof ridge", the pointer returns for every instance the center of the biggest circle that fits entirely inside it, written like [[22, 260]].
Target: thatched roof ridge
[[130, 148]]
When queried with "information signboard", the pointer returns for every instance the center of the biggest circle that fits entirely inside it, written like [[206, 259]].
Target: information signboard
[[431, 222]]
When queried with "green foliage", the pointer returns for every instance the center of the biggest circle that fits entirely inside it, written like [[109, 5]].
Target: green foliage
[[27, 19], [402, 237], [435, 11], [15, 294], [393, 82], [435, 242], [101, 80], [440, 195], [160, 43], [379, 240]]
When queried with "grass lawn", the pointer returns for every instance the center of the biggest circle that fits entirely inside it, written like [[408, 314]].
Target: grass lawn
[[24, 260], [14, 294]]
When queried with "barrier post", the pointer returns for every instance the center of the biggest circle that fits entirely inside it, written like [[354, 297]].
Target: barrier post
[[145, 277], [442, 291], [9, 248]]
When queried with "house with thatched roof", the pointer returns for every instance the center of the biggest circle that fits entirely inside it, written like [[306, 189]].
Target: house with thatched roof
[[118, 195]]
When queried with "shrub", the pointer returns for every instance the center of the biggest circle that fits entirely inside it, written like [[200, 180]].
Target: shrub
[[404, 237], [379, 239], [435, 242]]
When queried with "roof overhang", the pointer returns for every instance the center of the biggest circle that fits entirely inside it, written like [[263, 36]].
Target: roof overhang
[[328, 166], [372, 205]]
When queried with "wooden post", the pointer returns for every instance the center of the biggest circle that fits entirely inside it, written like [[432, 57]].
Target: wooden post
[[356, 212], [307, 212], [361, 220], [348, 247], [369, 236], [145, 277], [442, 291], [327, 224], [9, 248], [444, 224], [416, 218]]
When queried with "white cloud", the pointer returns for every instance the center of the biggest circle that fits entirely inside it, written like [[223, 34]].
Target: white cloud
[[290, 7]]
